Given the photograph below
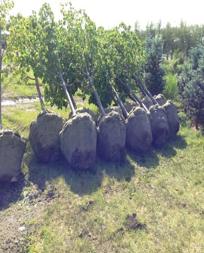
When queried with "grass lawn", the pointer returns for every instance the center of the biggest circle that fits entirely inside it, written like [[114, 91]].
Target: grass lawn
[[15, 91], [14, 88], [18, 118], [152, 203]]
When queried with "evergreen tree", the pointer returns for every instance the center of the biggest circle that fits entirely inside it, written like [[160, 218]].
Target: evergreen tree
[[154, 73], [191, 86]]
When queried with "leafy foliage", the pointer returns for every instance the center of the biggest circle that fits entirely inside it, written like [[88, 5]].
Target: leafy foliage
[[26, 44], [121, 57], [89, 58], [5, 7]]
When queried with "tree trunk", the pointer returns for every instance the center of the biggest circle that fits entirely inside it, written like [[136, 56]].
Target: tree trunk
[[67, 95], [145, 91], [120, 102], [37, 85], [98, 100], [133, 96], [73, 101], [72, 98], [196, 125]]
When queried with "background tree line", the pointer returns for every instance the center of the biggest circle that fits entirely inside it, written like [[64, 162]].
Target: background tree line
[[176, 39]]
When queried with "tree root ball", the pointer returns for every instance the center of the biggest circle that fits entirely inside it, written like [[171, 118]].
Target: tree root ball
[[172, 117], [129, 105], [111, 137], [78, 141], [115, 109], [160, 98], [139, 133], [93, 114], [12, 148], [44, 137], [147, 102], [159, 124]]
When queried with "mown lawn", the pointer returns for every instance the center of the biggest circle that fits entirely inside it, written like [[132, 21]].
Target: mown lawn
[[152, 203]]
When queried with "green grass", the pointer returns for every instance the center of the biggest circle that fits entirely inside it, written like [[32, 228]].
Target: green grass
[[13, 91], [19, 118], [13, 86], [89, 213]]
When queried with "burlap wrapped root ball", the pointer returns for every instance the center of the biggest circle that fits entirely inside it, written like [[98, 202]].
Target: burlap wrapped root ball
[[160, 98], [44, 137], [12, 148], [172, 117], [159, 125], [108, 110], [130, 105], [147, 102], [112, 137], [93, 114], [171, 113], [138, 131], [115, 109], [78, 141]]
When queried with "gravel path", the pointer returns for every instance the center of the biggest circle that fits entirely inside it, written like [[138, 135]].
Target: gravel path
[[14, 102]]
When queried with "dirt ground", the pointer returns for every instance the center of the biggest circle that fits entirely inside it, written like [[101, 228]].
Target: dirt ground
[[20, 203]]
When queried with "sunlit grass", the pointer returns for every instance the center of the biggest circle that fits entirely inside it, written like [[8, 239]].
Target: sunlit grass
[[19, 118], [16, 91]]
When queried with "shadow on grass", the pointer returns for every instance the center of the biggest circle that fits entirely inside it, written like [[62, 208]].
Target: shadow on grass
[[84, 182], [87, 182], [167, 151], [147, 160], [80, 182], [10, 192], [150, 159], [170, 149], [123, 171], [178, 142]]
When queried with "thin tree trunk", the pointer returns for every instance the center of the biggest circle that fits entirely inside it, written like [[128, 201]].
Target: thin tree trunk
[[37, 85], [145, 91], [137, 100], [72, 98], [196, 125], [120, 102], [98, 100], [73, 101], [67, 95], [133, 96]]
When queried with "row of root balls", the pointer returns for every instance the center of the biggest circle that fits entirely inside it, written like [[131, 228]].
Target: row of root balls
[[81, 138]]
